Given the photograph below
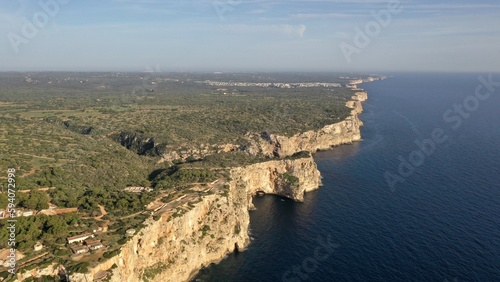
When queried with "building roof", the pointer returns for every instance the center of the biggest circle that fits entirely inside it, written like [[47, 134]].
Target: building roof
[[79, 248], [92, 242], [79, 237]]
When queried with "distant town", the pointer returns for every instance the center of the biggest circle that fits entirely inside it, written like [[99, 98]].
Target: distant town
[[272, 84]]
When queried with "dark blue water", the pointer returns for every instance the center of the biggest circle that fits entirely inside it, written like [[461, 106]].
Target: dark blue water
[[441, 224]]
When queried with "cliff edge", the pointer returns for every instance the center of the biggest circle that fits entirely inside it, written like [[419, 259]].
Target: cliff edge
[[176, 245], [344, 132]]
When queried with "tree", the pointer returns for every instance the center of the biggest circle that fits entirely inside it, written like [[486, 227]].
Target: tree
[[36, 200], [3, 201]]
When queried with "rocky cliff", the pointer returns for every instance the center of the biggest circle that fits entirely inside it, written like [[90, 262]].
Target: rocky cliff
[[344, 132], [148, 146], [287, 178], [174, 248]]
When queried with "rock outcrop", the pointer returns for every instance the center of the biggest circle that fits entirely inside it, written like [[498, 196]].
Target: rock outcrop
[[287, 178], [196, 152], [344, 132], [174, 247], [273, 145], [52, 270]]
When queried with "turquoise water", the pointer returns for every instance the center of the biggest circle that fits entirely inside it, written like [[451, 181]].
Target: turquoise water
[[440, 221]]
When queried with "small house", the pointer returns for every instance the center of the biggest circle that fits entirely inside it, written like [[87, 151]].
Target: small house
[[94, 245], [79, 238], [80, 249]]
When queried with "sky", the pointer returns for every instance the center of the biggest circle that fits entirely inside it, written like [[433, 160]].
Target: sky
[[250, 35]]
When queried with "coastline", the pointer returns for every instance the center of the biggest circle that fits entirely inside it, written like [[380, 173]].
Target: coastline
[[356, 105], [176, 248]]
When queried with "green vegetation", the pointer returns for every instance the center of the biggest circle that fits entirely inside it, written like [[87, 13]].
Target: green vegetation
[[81, 267], [161, 241], [204, 231], [46, 155], [77, 140], [47, 229], [152, 271], [36, 200], [111, 254], [299, 155], [115, 201], [178, 212], [72, 130], [293, 180], [182, 112], [176, 176], [121, 225]]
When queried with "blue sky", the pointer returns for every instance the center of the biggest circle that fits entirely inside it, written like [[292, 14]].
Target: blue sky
[[253, 35]]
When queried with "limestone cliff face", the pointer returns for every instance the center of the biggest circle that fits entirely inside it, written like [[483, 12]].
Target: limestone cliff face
[[175, 248], [148, 146], [51, 270], [343, 132], [170, 154], [287, 178]]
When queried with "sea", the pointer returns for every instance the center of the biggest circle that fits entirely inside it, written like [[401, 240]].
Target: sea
[[418, 199]]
